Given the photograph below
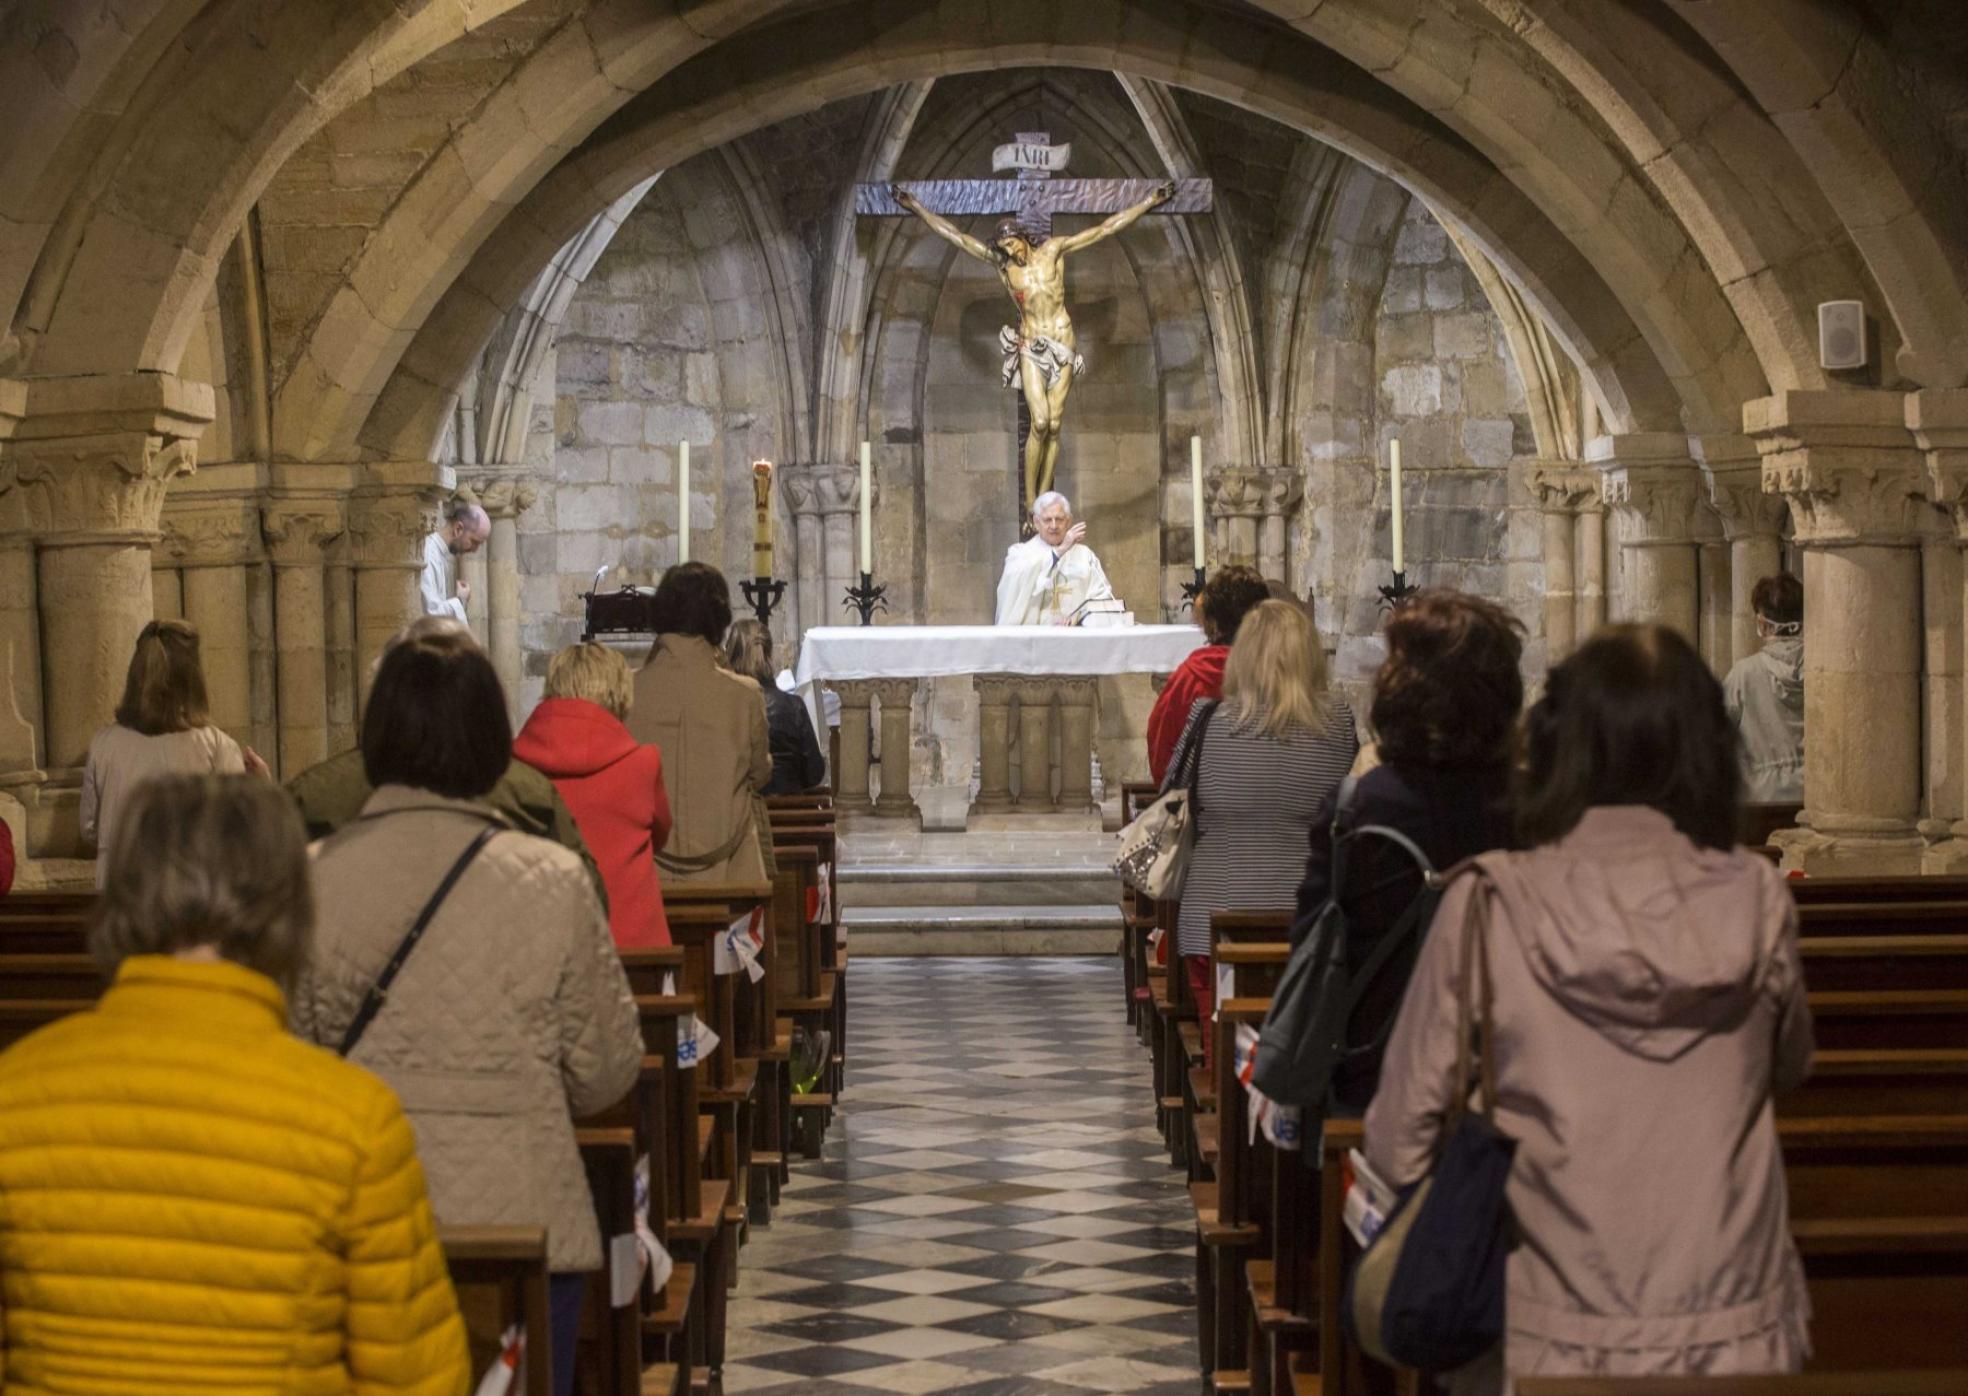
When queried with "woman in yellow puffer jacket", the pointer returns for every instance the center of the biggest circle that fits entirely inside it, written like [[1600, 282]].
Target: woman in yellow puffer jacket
[[190, 1198]]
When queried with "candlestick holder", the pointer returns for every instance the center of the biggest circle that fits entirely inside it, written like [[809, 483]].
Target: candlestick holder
[[762, 593], [867, 598], [1392, 596], [1191, 590]]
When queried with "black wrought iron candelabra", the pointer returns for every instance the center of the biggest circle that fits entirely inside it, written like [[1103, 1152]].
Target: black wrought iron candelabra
[[1191, 590], [867, 598], [1393, 596], [762, 594]]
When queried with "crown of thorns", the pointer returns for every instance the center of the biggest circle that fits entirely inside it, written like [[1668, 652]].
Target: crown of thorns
[[1012, 228]]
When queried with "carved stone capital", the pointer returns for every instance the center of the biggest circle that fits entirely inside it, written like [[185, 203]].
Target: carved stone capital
[[503, 496], [1257, 491], [1076, 692], [893, 691], [1741, 499], [1845, 462], [298, 531], [90, 458], [822, 488], [222, 532], [1037, 692], [1651, 483], [393, 510], [1561, 487], [994, 690]]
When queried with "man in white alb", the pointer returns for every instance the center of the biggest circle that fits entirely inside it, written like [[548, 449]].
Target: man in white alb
[[1052, 578], [463, 528]]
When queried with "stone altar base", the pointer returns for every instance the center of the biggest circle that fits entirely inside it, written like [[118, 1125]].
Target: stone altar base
[[1040, 889]]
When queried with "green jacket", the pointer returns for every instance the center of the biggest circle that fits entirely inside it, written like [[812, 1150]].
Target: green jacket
[[333, 793]]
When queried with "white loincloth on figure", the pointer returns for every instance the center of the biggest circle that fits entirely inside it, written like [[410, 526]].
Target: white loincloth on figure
[[1050, 355]]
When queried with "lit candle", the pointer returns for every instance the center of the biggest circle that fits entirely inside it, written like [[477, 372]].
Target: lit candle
[[683, 501], [1394, 492], [1196, 493], [867, 513], [762, 518]]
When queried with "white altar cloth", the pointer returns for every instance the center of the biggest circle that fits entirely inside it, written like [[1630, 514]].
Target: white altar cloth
[[840, 653]]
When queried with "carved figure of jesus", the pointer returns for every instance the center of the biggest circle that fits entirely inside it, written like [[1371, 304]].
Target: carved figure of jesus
[[1042, 353]]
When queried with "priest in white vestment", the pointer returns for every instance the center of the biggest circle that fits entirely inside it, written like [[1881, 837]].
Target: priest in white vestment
[[1052, 578]]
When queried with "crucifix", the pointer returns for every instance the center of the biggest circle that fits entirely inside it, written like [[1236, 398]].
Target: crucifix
[[1041, 354]]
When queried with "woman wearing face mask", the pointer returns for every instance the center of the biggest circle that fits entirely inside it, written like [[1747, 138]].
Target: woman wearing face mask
[[1765, 695]]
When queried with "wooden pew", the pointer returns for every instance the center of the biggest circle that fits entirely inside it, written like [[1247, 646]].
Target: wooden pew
[[511, 1262], [814, 999]]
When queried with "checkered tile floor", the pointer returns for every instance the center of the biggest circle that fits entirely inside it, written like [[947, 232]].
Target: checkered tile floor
[[995, 1214]]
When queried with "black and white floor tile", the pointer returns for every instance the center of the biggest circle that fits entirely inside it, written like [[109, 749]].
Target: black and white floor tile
[[994, 1214]]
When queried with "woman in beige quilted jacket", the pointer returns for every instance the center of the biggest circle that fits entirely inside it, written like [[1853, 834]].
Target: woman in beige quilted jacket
[[511, 1016]]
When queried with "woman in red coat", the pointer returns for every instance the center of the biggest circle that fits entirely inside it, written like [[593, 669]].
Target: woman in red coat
[[611, 783], [1226, 596]]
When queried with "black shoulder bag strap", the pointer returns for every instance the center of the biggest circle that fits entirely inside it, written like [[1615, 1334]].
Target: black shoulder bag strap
[[372, 1002]]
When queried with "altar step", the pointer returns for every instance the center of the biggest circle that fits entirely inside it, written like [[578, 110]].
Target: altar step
[[1089, 929], [958, 885]]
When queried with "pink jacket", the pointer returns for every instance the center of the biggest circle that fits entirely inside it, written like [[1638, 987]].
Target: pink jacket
[[1649, 1002]]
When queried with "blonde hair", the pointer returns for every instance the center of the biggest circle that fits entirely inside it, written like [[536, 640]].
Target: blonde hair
[[164, 690], [1275, 678], [594, 672], [748, 651], [207, 860]]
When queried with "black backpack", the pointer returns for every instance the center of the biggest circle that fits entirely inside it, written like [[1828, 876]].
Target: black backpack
[[1303, 1040]]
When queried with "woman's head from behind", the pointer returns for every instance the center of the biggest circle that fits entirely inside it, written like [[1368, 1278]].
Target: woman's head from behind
[[748, 651], [200, 860], [1275, 677], [1449, 692], [1227, 597], [164, 690], [594, 673], [1633, 717], [436, 718], [692, 599]]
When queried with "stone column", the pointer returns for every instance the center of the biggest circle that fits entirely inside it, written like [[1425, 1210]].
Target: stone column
[[1078, 700], [825, 500], [994, 694], [88, 464], [1941, 707], [390, 514], [1751, 521], [1250, 508], [1035, 745], [851, 785], [20, 662], [338, 613], [1591, 569], [1560, 488], [297, 533], [1849, 468], [1650, 482], [211, 531], [1938, 419], [1717, 623], [167, 601], [505, 499], [897, 697]]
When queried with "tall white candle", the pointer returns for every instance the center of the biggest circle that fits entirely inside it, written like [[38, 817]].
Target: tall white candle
[[1196, 493], [1394, 493], [683, 501], [867, 512]]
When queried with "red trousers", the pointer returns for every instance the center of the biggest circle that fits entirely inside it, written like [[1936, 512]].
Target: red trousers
[[1202, 988]]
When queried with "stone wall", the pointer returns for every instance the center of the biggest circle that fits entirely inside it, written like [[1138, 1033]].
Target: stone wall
[[1445, 384]]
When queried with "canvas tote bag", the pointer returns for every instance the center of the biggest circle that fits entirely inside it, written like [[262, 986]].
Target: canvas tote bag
[[1155, 848], [1428, 1292]]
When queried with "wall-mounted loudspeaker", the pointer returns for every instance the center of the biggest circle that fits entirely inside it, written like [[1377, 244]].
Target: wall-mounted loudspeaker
[[1841, 334]]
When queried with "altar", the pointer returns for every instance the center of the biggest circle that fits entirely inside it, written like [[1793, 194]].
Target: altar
[[1035, 694]]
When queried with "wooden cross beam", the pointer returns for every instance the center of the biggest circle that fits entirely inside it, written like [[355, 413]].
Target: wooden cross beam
[[1034, 197]]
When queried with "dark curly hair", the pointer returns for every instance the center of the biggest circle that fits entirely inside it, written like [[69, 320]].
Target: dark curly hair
[[1449, 691], [1227, 597], [1779, 599], [692, 599], [1634, 717]]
